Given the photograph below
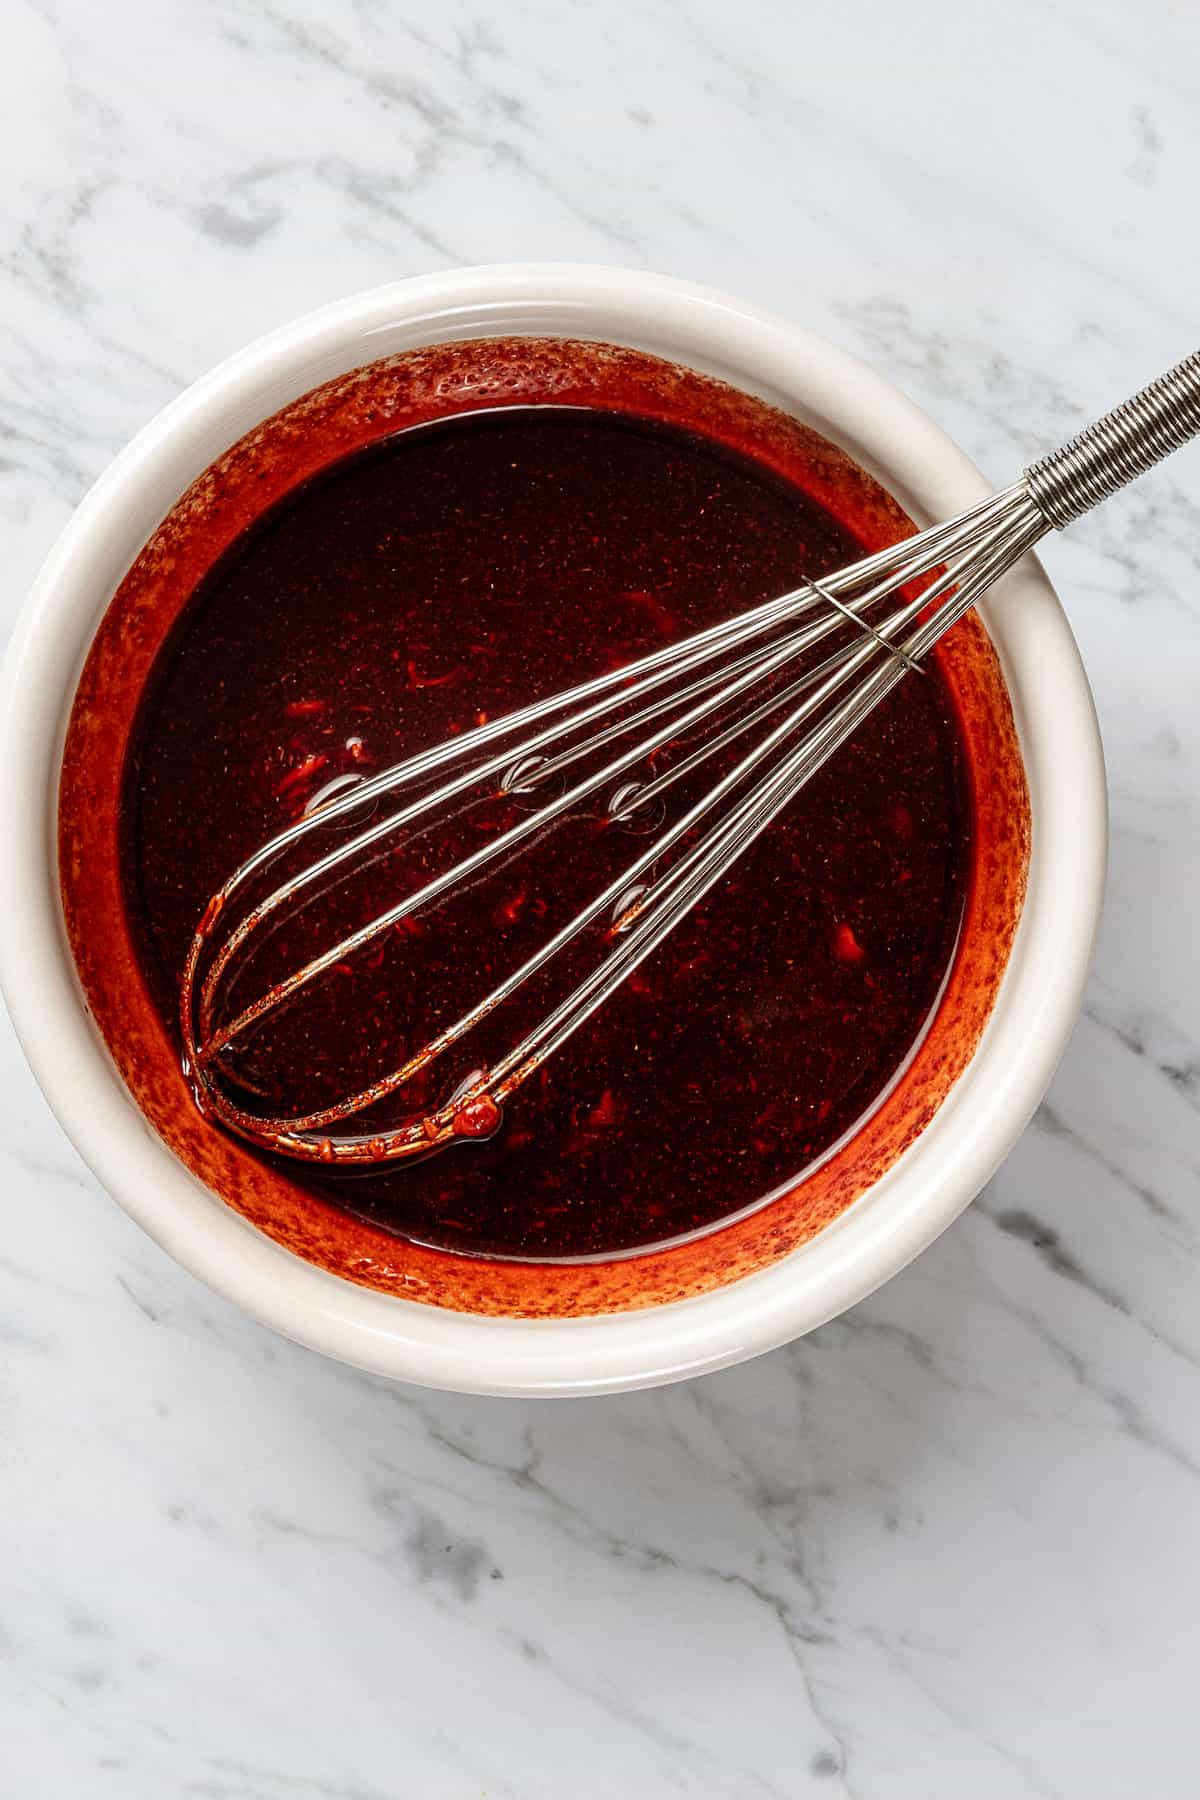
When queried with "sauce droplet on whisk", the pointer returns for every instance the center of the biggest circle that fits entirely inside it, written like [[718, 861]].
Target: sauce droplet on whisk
[[479, 1117]]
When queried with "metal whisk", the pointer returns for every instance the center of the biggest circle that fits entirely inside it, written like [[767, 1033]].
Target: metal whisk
[[766, 698]]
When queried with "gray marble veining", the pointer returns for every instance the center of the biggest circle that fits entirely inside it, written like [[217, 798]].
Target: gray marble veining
[[950, 1544]]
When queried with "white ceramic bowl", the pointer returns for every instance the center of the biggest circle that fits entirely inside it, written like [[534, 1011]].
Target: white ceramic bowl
[[874, 1237]]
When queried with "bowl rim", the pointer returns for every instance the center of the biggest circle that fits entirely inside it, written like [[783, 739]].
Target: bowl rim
[[879, 1233]]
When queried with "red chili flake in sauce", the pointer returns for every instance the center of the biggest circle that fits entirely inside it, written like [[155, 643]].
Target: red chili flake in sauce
[[846, 946], [510, 910], [606, 1112], [417, 680], [302, 773]]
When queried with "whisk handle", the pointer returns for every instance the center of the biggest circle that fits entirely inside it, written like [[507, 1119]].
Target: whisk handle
[[1119, 447]]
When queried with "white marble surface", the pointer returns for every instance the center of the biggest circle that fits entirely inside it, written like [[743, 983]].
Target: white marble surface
[[948, 1546]]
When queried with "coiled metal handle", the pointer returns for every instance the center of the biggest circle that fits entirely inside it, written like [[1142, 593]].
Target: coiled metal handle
[[1119, 447]]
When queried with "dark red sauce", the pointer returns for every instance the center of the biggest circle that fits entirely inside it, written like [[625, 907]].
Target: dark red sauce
[[454, 572]]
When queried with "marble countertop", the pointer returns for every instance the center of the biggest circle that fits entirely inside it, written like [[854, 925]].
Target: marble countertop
[[948, 1545]]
